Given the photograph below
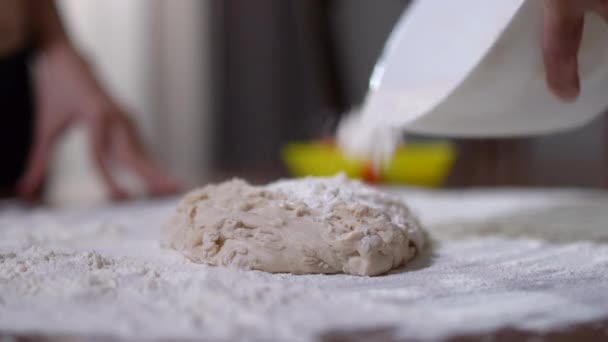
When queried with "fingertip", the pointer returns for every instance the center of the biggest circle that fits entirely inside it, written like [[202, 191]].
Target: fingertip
[[167, 188], [27, 185], [569, 95], [566, 90], [27, 191], [23, 192], [562, 78], [158, 182], [119, 195], [566, 93]]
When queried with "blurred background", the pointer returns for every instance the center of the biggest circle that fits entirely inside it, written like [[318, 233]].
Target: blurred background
[[218, 87]]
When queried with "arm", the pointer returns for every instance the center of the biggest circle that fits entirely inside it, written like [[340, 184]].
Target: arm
[[67, 92]]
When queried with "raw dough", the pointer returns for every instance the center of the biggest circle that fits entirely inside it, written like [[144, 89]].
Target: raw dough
[[313, 225]]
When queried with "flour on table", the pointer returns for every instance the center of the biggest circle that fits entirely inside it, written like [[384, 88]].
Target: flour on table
[[541, 264], [313, 225]]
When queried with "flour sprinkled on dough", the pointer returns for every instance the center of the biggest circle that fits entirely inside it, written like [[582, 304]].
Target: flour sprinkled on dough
[[313, 225]]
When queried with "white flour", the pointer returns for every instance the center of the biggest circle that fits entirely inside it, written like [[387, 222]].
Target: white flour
[[325, 194], [513, 262], [366, 139]]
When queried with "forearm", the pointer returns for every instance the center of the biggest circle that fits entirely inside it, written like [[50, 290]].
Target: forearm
[[46, 27]]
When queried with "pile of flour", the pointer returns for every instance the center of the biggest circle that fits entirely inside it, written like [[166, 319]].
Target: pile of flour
[[512, 263]]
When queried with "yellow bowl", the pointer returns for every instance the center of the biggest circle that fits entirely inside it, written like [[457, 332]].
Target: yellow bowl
[[418, 164]]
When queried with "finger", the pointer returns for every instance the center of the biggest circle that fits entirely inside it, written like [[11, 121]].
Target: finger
[[563, 30], [30, 184], [99, 143], [158, 182]]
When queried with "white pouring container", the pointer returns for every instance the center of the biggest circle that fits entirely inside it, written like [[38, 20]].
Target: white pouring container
[[473, 68]]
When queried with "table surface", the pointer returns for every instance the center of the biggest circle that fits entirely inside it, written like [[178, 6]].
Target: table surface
[[493, 252]]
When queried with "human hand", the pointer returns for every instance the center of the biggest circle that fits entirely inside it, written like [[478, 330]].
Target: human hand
[[564, 23], [67, 93]]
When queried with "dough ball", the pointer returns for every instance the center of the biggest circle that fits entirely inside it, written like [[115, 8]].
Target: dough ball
[[312, 225]]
